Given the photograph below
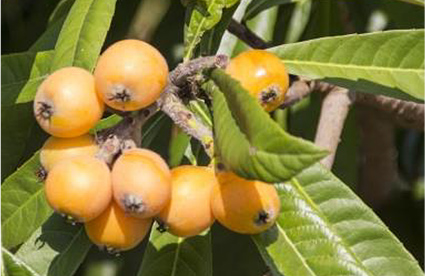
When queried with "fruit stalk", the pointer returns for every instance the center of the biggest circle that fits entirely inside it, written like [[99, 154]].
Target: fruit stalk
[[124, 135]]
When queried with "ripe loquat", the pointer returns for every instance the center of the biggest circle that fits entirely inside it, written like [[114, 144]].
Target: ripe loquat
[[188, 213], [141, 182], [79, 187], [66, 103], [115, 230], [56, 149], [130, 75], [244, 206], [263, 74]]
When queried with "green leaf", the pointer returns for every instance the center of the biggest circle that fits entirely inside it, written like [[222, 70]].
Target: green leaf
[[258, 6], [249, 142], [56, 248], [13, 266], [152, 128], [23, 204], [299, 20], [22, 74], [212, 38], [61, 10], [325, 229], [202, 16], [228, 41], [170, 255], [83, 34], [106, 123], [389, 63], [263, 25], [179, 143], [48, 39], [18, 121], [416, 2]]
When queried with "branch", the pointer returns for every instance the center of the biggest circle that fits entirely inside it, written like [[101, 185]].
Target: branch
[[334, 111], [246, 35], [405, 113], [172, 105], [378, 174]]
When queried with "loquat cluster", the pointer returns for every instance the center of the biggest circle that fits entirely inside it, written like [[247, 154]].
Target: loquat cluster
[[117, 205]]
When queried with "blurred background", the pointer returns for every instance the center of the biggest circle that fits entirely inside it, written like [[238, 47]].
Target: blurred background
[[382, 162]]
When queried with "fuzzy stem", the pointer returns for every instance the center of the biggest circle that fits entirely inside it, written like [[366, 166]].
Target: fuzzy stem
[[335, 108], [172, 105], [124, 135]]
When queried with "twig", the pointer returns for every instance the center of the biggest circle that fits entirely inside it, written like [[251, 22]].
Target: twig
[[246, 35], [334, 111], [296, 92], [172, 105]]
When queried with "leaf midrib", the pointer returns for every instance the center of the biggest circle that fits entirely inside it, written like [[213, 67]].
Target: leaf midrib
[[34, 195], [354, 67], [21, 262], [307, 198]]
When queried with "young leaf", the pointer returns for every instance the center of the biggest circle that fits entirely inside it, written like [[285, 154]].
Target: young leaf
[[325, 229], [203, 15], [56, 248], [13, 266], [83, 34], [21, 74], [249, 142], [211, 39], [389, 62], [167, 254], [23, 205]]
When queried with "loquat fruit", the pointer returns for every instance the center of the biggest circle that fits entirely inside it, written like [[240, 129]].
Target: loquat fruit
[[263, 75], [79, 187], [57, 149], [66, 103], [130, 75], [244, 206], [141, 182], [188, 213], [115, 230]]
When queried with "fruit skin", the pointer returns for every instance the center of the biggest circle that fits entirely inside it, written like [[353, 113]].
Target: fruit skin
[[115, 230], [66, 103], [244, 206], [57, 149], [188, 213], [130, 75], [141, 182], [80, 187], [264, 76]]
